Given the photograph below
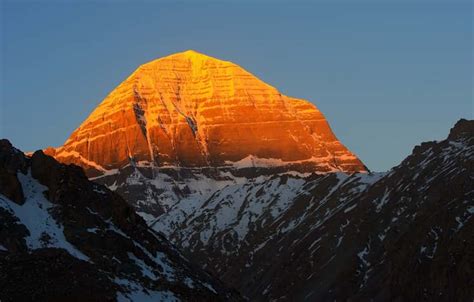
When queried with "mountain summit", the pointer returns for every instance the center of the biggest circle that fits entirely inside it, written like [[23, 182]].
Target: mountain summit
[[192, 110]]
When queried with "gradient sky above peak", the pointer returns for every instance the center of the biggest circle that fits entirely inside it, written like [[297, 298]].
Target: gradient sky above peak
[[386, 75]]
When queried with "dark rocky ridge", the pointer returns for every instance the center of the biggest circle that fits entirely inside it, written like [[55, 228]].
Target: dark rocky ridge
[[93, 246], [406, 235]]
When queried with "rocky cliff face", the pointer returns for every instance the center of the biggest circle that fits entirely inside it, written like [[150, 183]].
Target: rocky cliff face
[[192, 110], [64, 238], [181, 127]]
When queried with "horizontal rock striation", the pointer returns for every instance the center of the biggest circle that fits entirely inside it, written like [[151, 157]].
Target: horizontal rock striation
[[192, 110]]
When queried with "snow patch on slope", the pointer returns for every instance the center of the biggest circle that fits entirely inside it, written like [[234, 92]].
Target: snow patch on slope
[[35, 215]]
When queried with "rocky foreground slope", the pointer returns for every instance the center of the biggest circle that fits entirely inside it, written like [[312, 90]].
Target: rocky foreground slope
[[405, 235], [64, 238]]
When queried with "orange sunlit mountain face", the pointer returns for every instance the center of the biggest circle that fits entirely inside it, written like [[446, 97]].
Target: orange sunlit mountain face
[[192, 110]]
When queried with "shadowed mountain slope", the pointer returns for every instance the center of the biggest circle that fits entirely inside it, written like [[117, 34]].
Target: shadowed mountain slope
[[63, 237]]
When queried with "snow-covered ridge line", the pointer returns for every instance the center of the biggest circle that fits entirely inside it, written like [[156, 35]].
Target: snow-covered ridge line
[[252, 161], [246, 163]]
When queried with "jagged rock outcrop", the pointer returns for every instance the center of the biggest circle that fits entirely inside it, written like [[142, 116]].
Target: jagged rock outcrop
[[66, 238], [192, 110]]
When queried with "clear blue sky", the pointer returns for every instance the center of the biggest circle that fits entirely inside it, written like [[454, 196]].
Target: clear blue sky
[[387, 76]]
